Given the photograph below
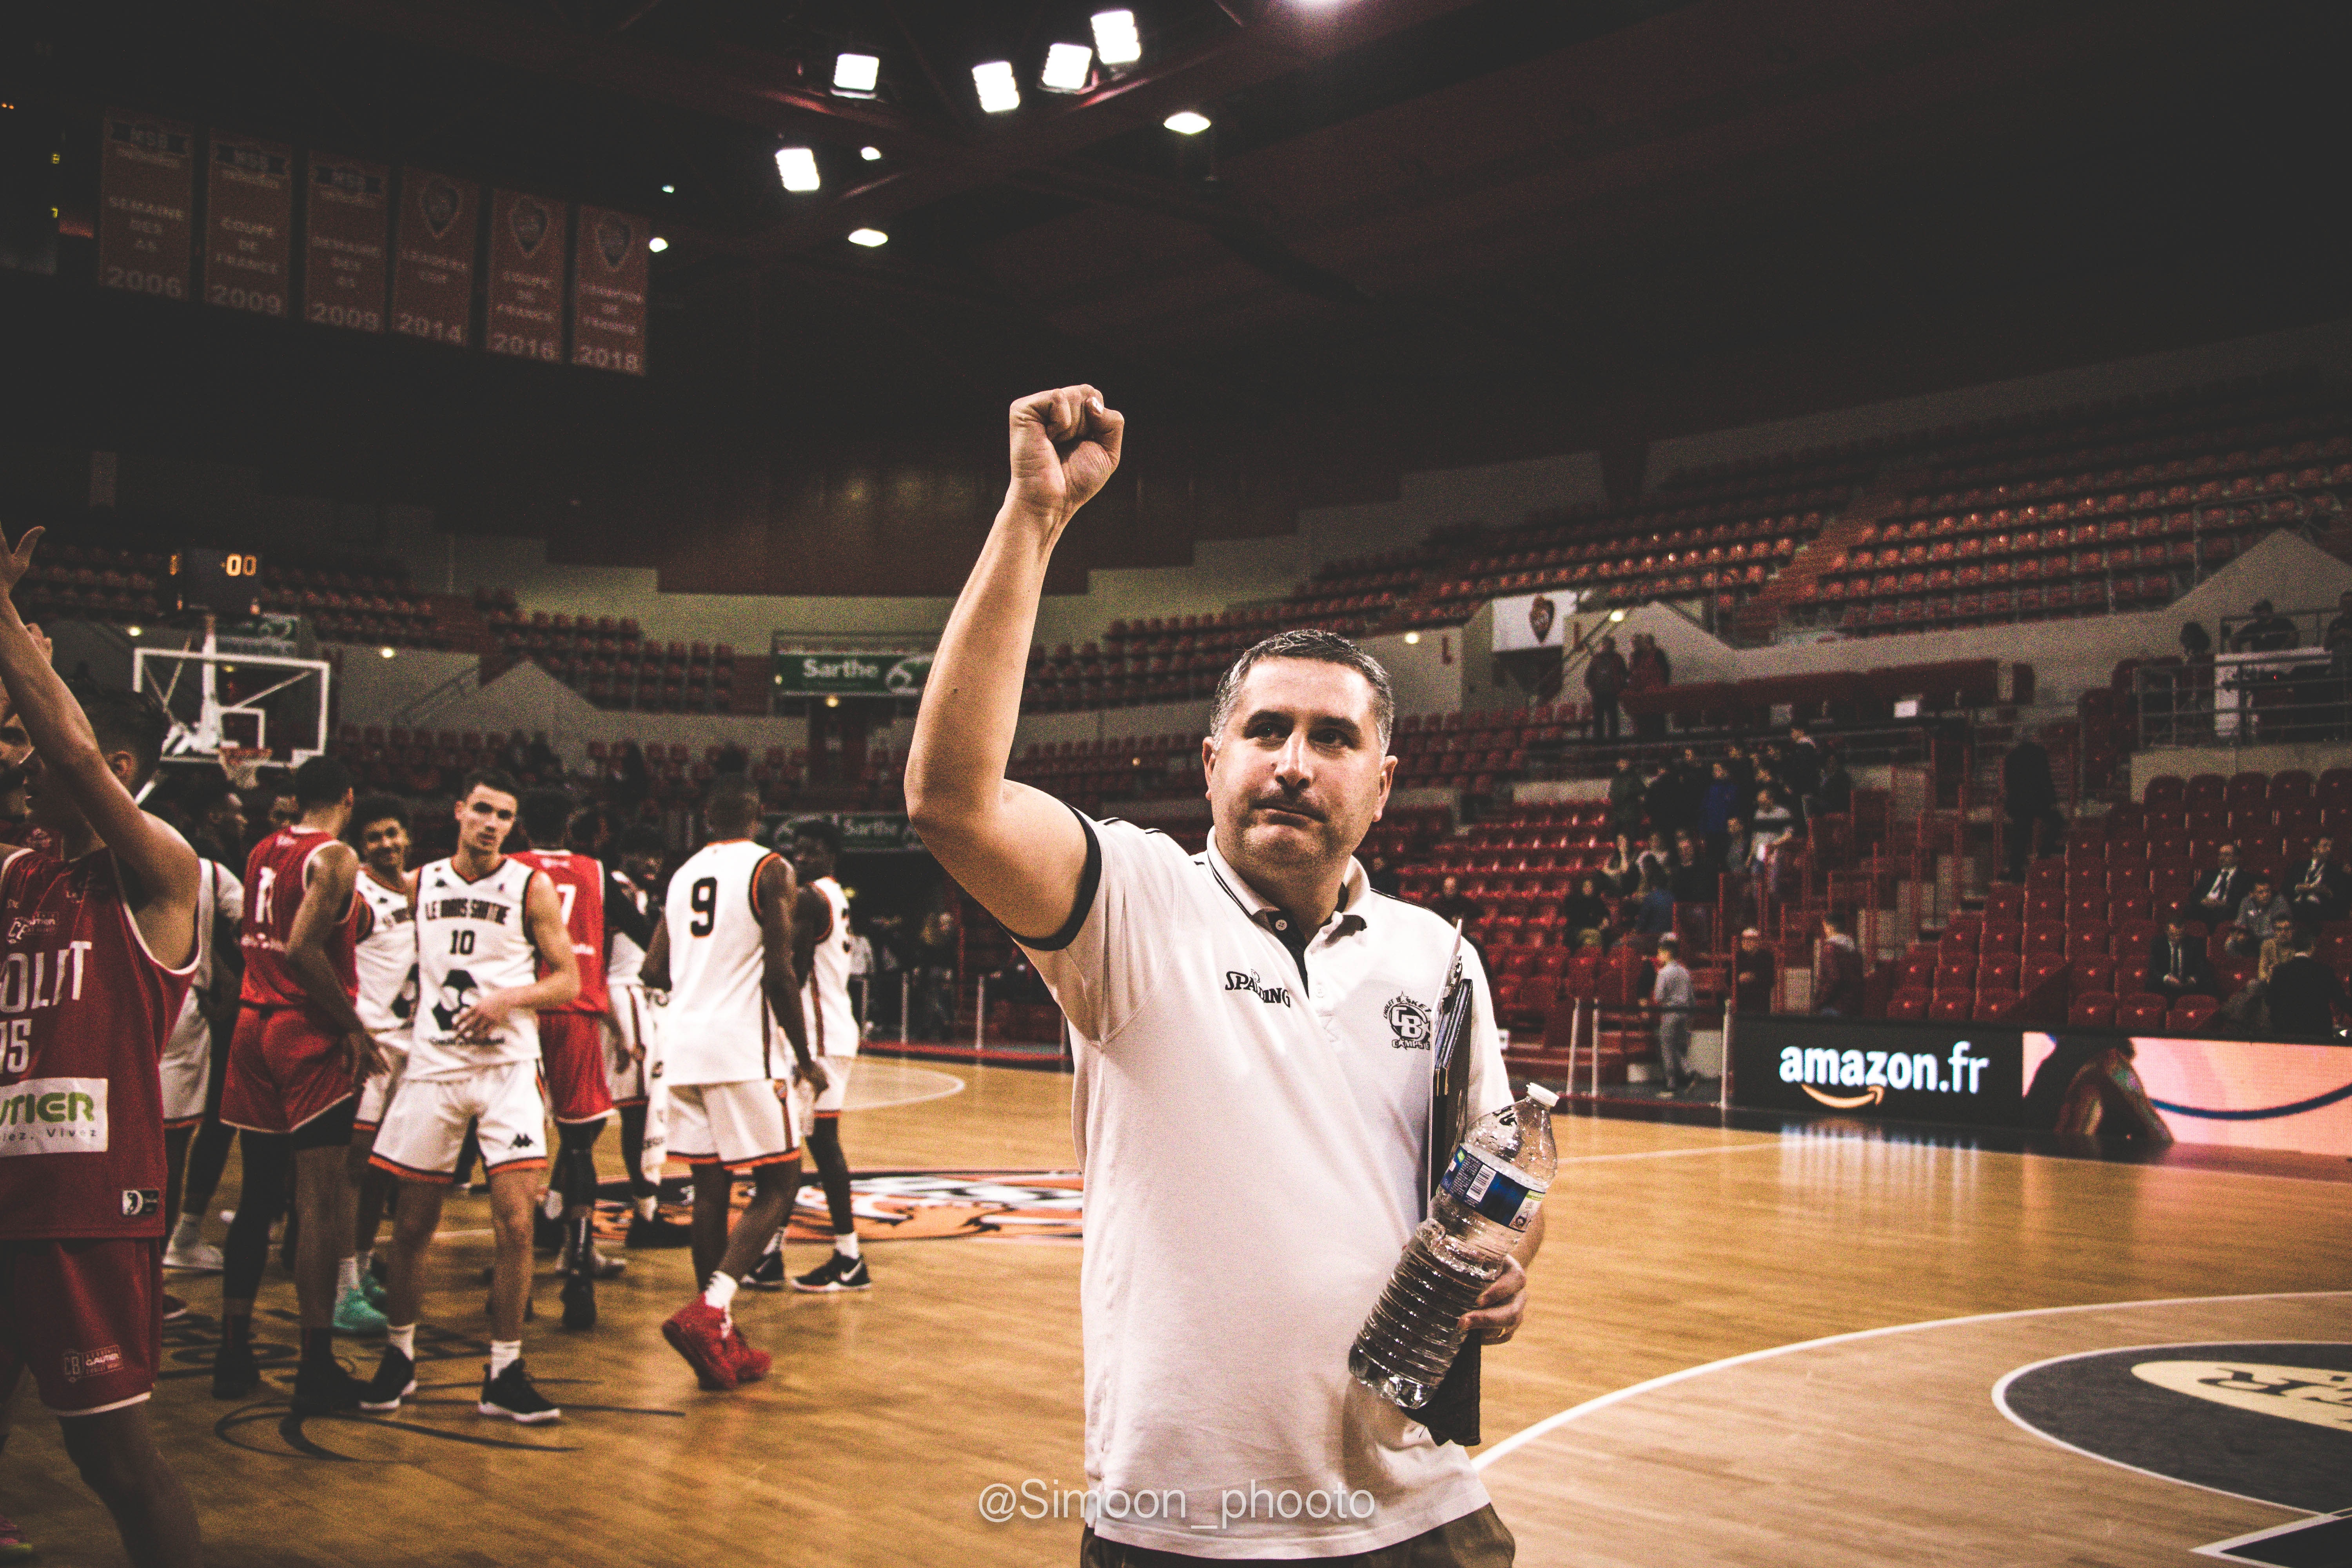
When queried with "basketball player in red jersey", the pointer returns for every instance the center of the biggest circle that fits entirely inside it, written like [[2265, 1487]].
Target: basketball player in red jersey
[[106, 934], [295, 1067], [572, 1043]]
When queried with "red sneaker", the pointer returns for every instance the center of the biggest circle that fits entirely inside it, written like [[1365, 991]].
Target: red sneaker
[[750, 1365], [698, 1332]]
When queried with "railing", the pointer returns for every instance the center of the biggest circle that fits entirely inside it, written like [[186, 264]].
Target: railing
[[2277, 696]]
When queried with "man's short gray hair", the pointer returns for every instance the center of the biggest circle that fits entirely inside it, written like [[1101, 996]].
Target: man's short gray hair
[[1323, 647]]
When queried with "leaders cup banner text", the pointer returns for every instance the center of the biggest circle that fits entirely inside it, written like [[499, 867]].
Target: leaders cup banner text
[[852, 674], [433, 258]]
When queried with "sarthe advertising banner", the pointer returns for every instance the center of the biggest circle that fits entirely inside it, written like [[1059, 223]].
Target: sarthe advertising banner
[[852, 674]]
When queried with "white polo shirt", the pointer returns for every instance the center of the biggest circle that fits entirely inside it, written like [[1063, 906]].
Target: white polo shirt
[[1252, 1149]]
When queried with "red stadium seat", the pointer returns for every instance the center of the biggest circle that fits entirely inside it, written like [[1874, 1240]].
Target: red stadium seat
[[2084, 939], [2096, 1010], [2002, 936], [2190, 1014], [1993, 1005], [1999, 971], [2089, 976], [2142, 1015], [1908, 1004], [2045, 939], [2004, 901], [1957, 1005]]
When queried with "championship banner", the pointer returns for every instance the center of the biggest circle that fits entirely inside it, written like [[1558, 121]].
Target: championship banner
[[1534, 620], [852, 674], [250, 224], [146, 188], [344, 266], [608, 299], [527, 240], [432, 266]]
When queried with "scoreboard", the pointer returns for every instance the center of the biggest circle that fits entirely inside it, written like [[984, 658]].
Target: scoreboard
[[225, 582]]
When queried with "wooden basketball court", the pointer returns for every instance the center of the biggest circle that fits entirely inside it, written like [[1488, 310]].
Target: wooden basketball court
[[1671, 1247]]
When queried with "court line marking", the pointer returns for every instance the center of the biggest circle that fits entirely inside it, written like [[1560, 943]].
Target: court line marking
[[954, 1086], [1526, 1435], [1669, 1153], [2000, 1403]]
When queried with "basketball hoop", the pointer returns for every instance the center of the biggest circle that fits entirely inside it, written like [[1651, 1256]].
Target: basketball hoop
[[242, 764]]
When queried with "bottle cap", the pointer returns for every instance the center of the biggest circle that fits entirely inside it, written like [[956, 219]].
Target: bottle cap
[[1542, 1096]]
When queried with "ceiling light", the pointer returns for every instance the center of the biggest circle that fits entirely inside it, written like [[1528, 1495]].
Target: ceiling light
[[657, 244], [833, 701], [1616, 615], [1411, 638], [796, 166], [1067, 66], [133, 630], [1186, 122], [669, 190], [387, 653], [998, 93], [871, 154], [856, 74], [868, 238], [1116, 40]]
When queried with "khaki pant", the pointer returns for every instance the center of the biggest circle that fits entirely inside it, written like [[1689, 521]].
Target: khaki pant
[[1474, 1541]]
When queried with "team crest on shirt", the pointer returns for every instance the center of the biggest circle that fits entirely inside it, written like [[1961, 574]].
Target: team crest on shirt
[[457, 994], [1409, 1021]]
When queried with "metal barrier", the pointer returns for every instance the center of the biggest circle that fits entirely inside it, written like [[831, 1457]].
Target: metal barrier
[[2270, 697]]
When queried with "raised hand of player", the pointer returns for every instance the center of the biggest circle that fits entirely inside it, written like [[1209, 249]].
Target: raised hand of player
[[17, 559], [1064, 450]]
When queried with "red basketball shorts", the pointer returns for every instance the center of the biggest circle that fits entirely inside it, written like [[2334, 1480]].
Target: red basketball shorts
[[283, 1071], [87, 1316], [572, 1056]]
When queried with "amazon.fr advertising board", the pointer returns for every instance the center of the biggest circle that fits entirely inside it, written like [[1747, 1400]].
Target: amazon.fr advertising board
[[2243, 1093]]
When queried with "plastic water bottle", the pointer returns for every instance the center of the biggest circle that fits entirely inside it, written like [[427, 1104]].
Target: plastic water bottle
[[1481, 1210]]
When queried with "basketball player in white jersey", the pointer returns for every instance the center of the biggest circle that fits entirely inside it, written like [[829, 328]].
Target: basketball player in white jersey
[[724, 953], [487, 925], [631, 914], [384, 954], [188, 1054], [821, 949]]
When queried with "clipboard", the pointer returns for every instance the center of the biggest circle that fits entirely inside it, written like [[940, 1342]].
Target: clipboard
[[1452, 1414]]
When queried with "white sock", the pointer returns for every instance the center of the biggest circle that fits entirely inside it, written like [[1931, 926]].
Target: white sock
[[846, 1243], [721, 1291], [402, 1337], [365, 1259], [347, 1273], [504, 1353], [188, 1231], [647, 1206]]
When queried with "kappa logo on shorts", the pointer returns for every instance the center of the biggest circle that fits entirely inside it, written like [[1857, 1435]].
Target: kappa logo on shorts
[[1409, 1021], [522, 1140]]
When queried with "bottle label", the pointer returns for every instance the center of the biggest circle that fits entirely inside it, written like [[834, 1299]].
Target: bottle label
[[1496, 1189]]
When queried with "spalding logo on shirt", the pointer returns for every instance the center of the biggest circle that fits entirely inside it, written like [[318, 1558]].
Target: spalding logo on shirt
[[1243, 980]]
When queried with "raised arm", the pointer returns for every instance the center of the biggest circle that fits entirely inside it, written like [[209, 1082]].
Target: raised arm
[[775, 890], [1015, 849], [326, 903], [157, 862]]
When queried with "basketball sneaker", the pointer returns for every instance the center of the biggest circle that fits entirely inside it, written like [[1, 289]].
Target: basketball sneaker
[[750, 1365], [394, 1380], [836, 1273], [698, 1332], [186, 1250], [510, 1394], [355, 1314], [579, 1301], [173, 1307], [236, 1373], [13, 1547], [372, 1288], [768, 1274], [321, 1389], [658, 1232]]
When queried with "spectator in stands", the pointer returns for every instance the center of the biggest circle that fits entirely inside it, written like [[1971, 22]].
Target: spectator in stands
[[2029, 800], [2285, 932], [1586, 912], [1835, 791], [1656, 861], [1716, 809], [1800, 763], [540, 761], [1604, 682], [2320, 893], [1769, 780], [1670, 996], [1743, 771], [1451, 906], [1648, 671], [2217, 892], [217, 823], [2177, 964], [1837, 971], [935, 977], [2267, 632], [733, 759], [1653, 917], [2305, 994], [1753, 969], [632, 781], [1625, 793], [1382, 877], [1692, 875], [1773, 822], [2259, 911], [1622, 870]]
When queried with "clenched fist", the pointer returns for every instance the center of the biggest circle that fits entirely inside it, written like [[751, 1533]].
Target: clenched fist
[[1065, 448]]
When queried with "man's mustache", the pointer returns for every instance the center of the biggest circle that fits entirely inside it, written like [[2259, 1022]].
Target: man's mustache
[[1285, 803]]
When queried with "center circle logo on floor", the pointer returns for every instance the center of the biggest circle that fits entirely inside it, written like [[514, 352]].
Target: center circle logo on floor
[[2267, 1421]]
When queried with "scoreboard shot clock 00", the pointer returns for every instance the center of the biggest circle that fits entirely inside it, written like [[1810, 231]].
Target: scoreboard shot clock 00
[[225, 582]]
